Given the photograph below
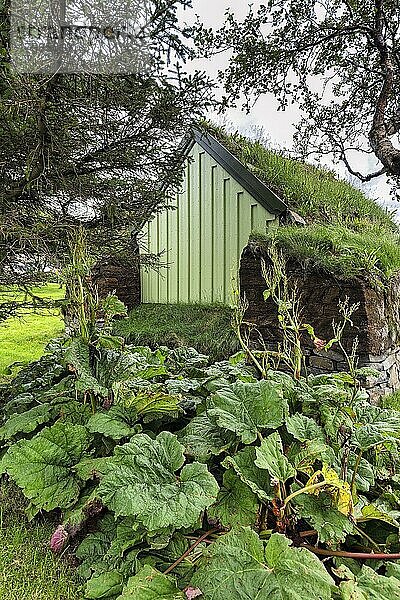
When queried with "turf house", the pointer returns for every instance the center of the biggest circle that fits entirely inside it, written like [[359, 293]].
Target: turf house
[[236, 197]]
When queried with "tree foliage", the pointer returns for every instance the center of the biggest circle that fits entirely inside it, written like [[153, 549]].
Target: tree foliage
[[338, 61], [91, 150]]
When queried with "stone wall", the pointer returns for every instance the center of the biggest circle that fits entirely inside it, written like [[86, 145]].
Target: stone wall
[[113, 274], [375, 324]]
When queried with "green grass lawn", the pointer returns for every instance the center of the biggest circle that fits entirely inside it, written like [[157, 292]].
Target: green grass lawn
[[28, 570], [23, 338], [204, 327]]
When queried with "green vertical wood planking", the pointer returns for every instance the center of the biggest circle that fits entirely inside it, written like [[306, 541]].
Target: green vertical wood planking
[[204, 237], [206, 231], [183, 246], [162, 243], [259, 222], [174, 255], [218, 237], [152, 249], [212, 189], [226, 235], [194, 228], [233, 242], [144, 248], [244, 221]]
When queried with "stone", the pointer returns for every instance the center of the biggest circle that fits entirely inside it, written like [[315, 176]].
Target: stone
[[394, 379], [114, 275], [372, 382], [389, 362], [332, 354], [376, 323], [319, 362]]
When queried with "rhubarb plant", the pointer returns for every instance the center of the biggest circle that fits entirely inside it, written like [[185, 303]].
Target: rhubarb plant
[[173, 478]]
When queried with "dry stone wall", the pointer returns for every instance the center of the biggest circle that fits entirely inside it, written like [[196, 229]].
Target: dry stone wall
[[113, 274], [375, 324]]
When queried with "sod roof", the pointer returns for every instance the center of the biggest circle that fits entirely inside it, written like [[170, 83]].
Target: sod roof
[[346, 233]]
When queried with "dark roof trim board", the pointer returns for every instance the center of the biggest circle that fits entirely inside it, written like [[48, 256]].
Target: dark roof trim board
[[254, 186]]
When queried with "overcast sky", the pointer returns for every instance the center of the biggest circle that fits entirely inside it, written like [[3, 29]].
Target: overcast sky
[[278, 125]]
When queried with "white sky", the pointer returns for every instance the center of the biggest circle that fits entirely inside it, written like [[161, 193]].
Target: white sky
[[278, 125]]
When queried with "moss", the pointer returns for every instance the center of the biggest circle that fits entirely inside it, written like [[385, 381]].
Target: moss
[[338, 250]]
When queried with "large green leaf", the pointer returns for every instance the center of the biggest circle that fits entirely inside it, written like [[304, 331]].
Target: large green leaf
[[369, 585], [153, 405], [258, 480], [236, 503], [303, 456], [375, 425], [150, 584], [104, 586], [117, 422], [381, 509], [142, 480], [270, 456], [365, 476], [202, 438], [42, 466], [91, 468], [303, 428], [28, 421], [94, 546], [240, 567], [334, 418], [248, 408], [332, 526], [77, 357]]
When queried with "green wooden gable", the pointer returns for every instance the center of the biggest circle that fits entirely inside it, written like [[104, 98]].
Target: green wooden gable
[[202, 237]]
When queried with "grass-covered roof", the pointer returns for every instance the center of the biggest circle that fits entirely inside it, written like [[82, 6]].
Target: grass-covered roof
[[347, 233]]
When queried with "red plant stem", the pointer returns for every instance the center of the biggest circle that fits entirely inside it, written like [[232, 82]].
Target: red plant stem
[[189, 550], [307, 533], [359, 555]]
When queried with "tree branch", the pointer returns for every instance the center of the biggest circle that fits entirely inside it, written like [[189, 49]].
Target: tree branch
[[361, 177]]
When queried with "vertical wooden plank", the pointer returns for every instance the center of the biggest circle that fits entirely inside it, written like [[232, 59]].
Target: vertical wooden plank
[[148, 290], [157, 250], [143, 275], [226, 236], [253, 217], [162, 243], [183, 245], [244, 205], [213, 168], [194, 225], [173, 253], [168, 253], [151, 280], [218, 235], [258, 224], [233, 207], [206, 231]]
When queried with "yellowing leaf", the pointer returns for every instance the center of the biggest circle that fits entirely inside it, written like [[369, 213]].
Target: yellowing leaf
[[342, 496], [340, 490]]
